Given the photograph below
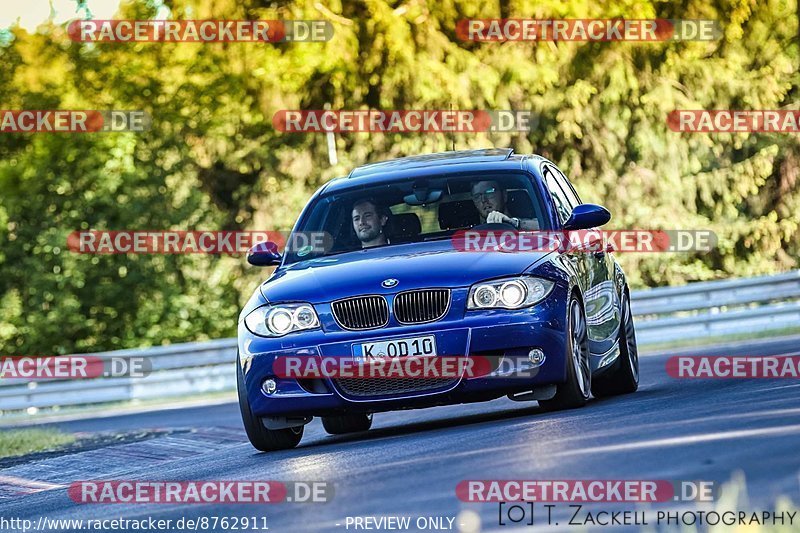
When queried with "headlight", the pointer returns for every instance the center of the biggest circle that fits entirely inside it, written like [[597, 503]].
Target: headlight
[[278, 320], [508, 293]]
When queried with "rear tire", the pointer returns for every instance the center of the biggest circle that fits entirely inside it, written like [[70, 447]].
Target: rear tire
[[623, 376], [263, 439], [575, 391], [340, 425]]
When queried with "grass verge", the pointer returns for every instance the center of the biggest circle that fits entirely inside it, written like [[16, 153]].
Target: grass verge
[[14, 442], [19, 418], [723, 339]]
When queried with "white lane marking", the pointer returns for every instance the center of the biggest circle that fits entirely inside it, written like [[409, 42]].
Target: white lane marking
[[688, 439], [28, 486], [319, 459]]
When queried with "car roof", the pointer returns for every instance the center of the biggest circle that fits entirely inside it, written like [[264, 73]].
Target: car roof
[[430, 164]]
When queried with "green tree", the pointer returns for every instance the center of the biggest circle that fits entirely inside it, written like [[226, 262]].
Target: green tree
[[212, 159]]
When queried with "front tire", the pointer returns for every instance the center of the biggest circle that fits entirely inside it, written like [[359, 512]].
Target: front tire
[[340, 425], [623, 376], [575, 391], [263, 439]]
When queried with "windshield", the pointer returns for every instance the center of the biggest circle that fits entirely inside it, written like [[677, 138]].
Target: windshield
[[418, 210]]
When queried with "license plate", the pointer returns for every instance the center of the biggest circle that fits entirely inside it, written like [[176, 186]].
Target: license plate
[[411, 347]]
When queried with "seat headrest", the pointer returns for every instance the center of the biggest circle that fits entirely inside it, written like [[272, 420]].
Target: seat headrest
[[404, 226], [519, 204], [458, 214]]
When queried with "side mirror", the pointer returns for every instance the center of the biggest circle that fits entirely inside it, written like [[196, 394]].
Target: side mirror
[[264, 254], [586, 216]]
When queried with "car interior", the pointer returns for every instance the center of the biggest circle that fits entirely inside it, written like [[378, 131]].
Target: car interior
[[413, 222]]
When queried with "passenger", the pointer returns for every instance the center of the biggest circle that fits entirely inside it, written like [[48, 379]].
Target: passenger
[[369, 222]]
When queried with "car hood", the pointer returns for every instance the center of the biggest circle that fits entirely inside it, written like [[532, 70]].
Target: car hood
[[416, 265]]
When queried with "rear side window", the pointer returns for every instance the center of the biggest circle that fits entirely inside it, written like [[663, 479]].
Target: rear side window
[[563, 206], [567, 187]]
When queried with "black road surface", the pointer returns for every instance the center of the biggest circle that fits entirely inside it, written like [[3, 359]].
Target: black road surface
[[409, 464]]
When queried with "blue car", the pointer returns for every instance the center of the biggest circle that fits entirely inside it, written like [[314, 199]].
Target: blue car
[[390, 280]]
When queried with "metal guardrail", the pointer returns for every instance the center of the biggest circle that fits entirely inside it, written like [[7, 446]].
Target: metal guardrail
[[177, 370], [689, 313], [717, 308]]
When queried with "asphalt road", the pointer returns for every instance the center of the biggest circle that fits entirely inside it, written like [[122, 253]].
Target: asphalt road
[[410, 462]]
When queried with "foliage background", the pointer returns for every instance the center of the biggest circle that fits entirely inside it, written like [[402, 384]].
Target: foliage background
[[213, 160]]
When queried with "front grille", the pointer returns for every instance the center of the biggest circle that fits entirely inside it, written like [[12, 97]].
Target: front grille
[[362, 312], [416, 307], [366, 387]]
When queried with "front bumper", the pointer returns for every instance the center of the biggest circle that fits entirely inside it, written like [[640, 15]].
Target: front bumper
[[494, 332]]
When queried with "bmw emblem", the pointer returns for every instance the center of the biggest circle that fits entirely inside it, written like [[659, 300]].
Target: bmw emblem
[[389, 283]]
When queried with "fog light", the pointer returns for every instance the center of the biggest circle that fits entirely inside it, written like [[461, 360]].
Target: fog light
[[536, 356], [269, 386]]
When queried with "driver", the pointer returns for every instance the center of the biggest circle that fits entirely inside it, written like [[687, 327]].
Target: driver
[[490, 200], [369, 222]]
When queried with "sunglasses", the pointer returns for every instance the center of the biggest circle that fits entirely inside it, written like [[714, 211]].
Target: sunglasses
[[487, 194]]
